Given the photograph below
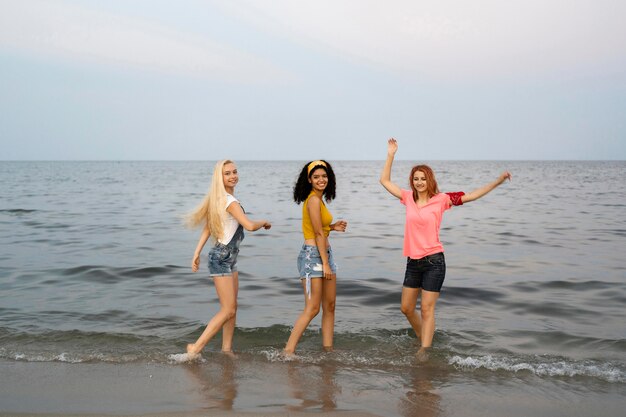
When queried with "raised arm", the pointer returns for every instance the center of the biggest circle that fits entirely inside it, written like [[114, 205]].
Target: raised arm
[[479, 192], [195, 262], [385, 176], [236, 211]]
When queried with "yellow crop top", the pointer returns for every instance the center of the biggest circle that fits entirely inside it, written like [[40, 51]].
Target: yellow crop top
[[307, 226]]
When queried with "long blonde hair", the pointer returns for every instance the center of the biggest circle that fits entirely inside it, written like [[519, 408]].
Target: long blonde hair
[[212, 210]]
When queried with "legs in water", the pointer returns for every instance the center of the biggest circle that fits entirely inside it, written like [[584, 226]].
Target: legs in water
[[423, 323], [311, 309], [226, 287], [329, 295], [228, 330]]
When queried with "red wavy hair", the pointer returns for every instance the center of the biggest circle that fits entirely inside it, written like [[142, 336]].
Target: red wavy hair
[[431, 183]]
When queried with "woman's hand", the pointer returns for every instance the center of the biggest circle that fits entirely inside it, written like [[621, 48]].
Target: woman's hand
[[392, 146], [339, 226], [195, 263], [327, 271], [506, 175], [267, 225]]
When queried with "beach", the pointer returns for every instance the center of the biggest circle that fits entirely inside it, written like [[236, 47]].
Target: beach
[[98, 301], [230, 389]]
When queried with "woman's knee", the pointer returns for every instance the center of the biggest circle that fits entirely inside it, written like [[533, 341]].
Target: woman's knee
[[407, 309], [427, 310], [312, 311], [329, 306], [230, 311]]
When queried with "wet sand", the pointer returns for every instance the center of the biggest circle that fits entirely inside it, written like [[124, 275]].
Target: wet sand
[[223, 387], [211, 413]]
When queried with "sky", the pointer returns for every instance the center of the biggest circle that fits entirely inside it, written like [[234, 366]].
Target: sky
[[301, 80]]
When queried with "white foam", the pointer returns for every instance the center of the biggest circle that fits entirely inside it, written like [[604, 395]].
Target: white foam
[[184, 357], [275, 355], [556, 368]]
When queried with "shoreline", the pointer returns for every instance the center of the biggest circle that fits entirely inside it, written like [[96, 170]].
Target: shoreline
[[222, 387], [213, 413]]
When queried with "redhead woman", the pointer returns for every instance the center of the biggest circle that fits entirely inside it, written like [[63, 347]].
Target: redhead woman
[[223, 219], [316, 266], [426, 265]]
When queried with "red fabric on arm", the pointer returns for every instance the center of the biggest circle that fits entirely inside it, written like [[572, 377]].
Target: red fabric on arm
[[455, 198]]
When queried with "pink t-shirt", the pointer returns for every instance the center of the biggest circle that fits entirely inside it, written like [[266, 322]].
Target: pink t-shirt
[[421, 229]]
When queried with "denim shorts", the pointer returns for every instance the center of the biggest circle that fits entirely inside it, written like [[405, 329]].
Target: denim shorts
[[310, 262], [222, 260], [426, 273]]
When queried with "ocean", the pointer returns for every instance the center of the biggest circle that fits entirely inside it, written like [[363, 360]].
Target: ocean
[[95, 280]]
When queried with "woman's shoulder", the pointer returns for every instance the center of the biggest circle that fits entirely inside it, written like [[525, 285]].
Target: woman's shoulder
[[230, 199], [312, 196], [406, 196], [440, 196], [450, 198]]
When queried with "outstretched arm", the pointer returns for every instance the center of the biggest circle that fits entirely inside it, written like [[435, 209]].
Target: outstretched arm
[[236, 211], [385, 176], [479, 192]]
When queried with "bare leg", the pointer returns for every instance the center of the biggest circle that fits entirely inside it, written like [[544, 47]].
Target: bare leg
[[229, 327], [429, 299], [228, 309], [329, 295], [311, 309], [407, 306]]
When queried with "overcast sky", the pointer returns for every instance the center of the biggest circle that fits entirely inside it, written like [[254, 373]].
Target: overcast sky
[[285, 79]]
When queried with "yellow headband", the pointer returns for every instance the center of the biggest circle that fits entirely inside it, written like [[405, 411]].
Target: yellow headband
[[313, 165]]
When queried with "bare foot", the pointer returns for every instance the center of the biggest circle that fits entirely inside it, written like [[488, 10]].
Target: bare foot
[[422, 355], [229, 353], [288, 355], [327, 348], [191, 349]]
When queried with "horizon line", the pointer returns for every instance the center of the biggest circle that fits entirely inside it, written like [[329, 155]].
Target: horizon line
[[300, 160]]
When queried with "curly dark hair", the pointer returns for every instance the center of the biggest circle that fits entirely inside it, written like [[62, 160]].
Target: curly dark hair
[[303, 187]]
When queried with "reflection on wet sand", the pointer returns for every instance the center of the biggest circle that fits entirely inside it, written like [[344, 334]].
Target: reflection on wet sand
[[217, 384], [313, 387], [300, 387], [421, 398]]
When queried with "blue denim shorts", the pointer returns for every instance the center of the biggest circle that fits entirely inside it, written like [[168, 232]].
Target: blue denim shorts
[[426, 273], [222, 260], [310, 262]]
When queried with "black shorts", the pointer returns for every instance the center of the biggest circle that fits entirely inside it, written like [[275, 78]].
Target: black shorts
[[426, 273]]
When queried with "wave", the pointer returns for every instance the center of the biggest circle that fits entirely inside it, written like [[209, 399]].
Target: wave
[[17, 211], [543, 366], [105, 275], [374, 349]]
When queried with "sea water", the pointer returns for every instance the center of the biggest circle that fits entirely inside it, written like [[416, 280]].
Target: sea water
[[95, 269]]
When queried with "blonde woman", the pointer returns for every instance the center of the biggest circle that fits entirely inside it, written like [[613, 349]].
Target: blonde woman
[[223, 219]]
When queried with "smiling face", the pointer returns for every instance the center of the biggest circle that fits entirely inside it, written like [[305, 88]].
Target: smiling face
[[230, 176], [420, 183], [318, 179]]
